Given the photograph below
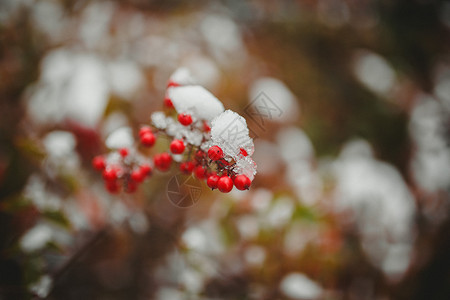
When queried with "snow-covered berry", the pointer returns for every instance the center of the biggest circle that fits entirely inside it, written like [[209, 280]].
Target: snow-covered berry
[[123, 152], [168, 103]]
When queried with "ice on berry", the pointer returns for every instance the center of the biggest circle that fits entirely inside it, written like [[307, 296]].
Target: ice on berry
[[196, 101], [246, 166], [120, 138], [182, 76], [229, 131], [159, 120]]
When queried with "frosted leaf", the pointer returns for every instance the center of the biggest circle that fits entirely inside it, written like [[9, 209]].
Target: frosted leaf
[[247, 167], [182, 76], [120, 138], [229, 131], [159, 120], [195, 100]]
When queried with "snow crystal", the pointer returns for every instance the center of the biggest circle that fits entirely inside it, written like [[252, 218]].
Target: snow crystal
[[229, 131], [120, 138], [159, 120], [195, 100], [298, 286], [182, 76]]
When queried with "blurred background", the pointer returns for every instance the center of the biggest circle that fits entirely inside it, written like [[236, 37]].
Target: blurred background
[[351, 199]]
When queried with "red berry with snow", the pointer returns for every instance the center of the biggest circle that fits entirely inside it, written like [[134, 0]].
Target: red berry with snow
[[123, 152], [212, 181], [215, 153], [162, 161], [185, 119], [177, 146], [200, 172], [148, 139], [187, 167], [242, 182], [225, 184], [99, 163]]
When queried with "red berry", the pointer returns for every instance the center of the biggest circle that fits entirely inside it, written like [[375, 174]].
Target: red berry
[[168, 103], [146, 169], [242, 182], [137, 175], [225, 184], [110, 174], [163, 161], [123, 152], [243, 152], [172, 83], [215, 153], [144, 130], [185, 119], [148, 139], [187, 167], [199, 155], [200, 172], [99, 163], [212, 181], [177, 146], [112, 186]]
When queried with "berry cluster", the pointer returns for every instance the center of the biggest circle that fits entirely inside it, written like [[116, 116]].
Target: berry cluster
[[191, 146]]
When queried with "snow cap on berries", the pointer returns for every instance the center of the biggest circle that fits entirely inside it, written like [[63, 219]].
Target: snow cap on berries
[[120, 138], [182, 76], [229, 131], [196, 101], [247, 167]]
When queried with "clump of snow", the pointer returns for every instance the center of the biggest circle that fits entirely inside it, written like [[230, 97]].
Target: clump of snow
[[36, 238], [246, 166], [42, 286], [195, 100], [378, 197], [277, 92], [159, 120], [59, 143], [299, 286], [125, 78], [120, 138], [229, 131], [374, 72], [182, 76]]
